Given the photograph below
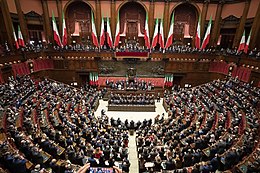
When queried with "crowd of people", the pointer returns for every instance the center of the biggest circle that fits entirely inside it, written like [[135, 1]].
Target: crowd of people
[[131, 99], [130, 85], [210, 127], [130, 46], [50, 125], [54, 127]]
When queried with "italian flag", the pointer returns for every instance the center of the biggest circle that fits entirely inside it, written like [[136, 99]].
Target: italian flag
[[91, 81], [55, 31], [109, 35], [117, 36], [207, 35], [93, 78], [242, 42], [146, 33], [197, 38], [247, 42], [94, 32], [20, 37], [96, 78], [156, 34], [161, 35], [170, 35], [15, 39], [168, 80], [102, 33], [64, 31]]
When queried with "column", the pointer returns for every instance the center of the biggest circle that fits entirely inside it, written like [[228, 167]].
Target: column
[[255, 29], [216, 26], [59, 9], [203, 17], [23, 24], [98, 16], [8, 23], [241, 26], [114, 18], [151, 18], [47, 23], [166, 18]]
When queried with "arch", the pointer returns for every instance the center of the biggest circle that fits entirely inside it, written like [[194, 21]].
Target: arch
[[191, 3], [127, 1], [72, 1], [78, 17], [185, 23], [132, 22]]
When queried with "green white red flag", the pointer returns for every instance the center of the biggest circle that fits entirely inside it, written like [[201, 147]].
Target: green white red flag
[[170, 34], [94, 32], [64, 31], [168, 80], [102, 33], [197, 38], [146, 33], [56, 32], [248, 42], [117, 36], [109, 35], [156, 34], [242, 42], [207, 35], [93, 78], [20, 37], [161, 35], [15, 39]]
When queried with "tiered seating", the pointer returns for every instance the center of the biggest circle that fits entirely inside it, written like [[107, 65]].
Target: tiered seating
[[55, 123], [210, 127], [207, 129]]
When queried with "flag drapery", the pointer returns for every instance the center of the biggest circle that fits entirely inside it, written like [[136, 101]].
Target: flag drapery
[[93, 78], [109, 35], [207, 35], [170, 35], [15, 39], [161, 35], [94, 32], [156, 34], [102, 33], [197, 38], [168, 80], [20, 37], [146, 33], [55, 31], [117, 36], [64, 31], [248, 42], [242, 42]]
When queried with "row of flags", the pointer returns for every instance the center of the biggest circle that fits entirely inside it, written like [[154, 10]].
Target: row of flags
[[158, 36], [243, 45], [168, 80], [93, 78], [20, 41], [60, 42], [206, 38]]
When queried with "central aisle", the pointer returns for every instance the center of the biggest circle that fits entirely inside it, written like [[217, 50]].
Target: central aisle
[[135, 116]]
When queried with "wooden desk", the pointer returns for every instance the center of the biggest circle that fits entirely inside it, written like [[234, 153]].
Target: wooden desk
[[132, 108]]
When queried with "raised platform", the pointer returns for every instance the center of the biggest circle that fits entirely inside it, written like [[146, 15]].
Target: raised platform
[[132, 108], [158, 82]]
